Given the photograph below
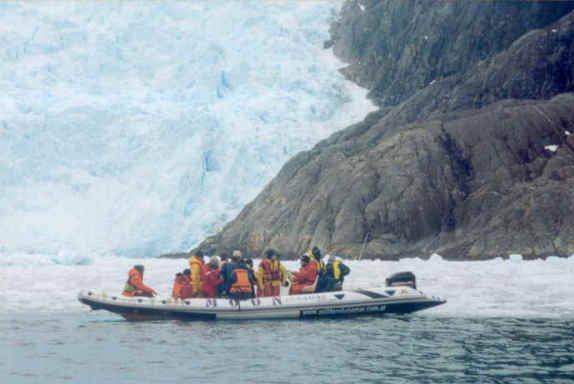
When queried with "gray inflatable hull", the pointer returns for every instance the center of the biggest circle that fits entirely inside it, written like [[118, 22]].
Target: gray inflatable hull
[[396, 300]]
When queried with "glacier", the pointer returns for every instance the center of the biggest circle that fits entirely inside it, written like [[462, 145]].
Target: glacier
[[137, 128]]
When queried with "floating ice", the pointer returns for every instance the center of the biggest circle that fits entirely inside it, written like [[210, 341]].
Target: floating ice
[[519, 288], [515, 257], [551, 148], [436, 257]]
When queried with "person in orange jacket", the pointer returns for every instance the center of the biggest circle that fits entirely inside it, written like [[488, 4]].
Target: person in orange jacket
[[263, 275], [135, 286], [186, 291], [270, 275], [305, 277], [242, 282], [181, 285], [197, 268], [211, 280], [177, 283]]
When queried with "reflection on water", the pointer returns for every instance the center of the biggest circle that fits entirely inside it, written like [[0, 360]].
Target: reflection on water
[[99, 348]]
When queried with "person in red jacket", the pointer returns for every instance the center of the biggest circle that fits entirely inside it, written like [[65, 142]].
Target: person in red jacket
[[135, 286], [211, 279], [177, 283], [305, 277], [181, 285], [186, 290]]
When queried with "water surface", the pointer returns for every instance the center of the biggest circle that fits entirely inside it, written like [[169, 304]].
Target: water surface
[[95, 347]]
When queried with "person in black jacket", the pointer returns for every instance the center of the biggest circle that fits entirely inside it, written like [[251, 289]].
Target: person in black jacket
[[334, 274], [227, 271]]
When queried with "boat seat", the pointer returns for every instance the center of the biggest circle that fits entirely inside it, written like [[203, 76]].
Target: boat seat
[[311, 288]]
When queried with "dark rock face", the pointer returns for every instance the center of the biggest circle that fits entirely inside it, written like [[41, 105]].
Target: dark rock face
[[398, 47], [465, 166]]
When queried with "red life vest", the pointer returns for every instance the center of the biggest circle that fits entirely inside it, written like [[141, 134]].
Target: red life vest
[[242, 283], [275, 267], [265, 265]]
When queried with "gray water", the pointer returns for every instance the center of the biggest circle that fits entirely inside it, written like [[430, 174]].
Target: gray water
[[95, 347]]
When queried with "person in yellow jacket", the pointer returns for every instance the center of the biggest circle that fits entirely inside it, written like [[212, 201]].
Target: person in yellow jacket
[[197, 267], [270, 275], [335, 272], [278, 275]]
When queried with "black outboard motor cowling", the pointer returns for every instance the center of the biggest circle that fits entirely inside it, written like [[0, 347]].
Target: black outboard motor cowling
[[402, 279]]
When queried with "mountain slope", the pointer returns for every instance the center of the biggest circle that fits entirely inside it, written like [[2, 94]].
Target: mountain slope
[[477, 164]]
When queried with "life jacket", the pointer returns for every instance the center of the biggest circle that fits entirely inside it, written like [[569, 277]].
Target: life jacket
[[242, 283], [337, 270], [275, 267], [265, 266], [130, 288], [178, 284]]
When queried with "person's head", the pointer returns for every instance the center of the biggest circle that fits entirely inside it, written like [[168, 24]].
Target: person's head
[[186, 272], [236, 257], [140, 268], [316, 252], [305, 260], [270, 253], [224, 256], [178, 275], [199, 255], [331, 258], [213, 262], [249, 262]]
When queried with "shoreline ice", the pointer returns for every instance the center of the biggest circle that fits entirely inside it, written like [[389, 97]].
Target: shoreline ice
[[492, 288]]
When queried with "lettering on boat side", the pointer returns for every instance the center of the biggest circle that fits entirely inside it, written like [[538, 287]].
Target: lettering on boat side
[[276, 300], [256, 301], [343, 310], [211, 303], [305, 298]]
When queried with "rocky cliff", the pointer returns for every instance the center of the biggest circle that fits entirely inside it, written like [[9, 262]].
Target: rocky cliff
[[471, 154]]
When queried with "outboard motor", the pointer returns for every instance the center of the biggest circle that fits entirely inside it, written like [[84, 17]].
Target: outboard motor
[[402, 279]]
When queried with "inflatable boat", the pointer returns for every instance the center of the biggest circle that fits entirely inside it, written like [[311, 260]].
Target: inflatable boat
[[395, 299]]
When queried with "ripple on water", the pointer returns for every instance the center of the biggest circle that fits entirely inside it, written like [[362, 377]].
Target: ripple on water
[[92, 348]]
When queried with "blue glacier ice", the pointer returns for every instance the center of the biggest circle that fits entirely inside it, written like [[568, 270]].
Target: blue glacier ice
[[137, 128]]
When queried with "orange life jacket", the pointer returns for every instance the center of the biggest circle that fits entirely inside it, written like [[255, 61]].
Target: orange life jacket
[[242, 283], [135, 284]]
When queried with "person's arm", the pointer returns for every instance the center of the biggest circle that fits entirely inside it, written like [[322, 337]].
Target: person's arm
[[297, 275], [344, 270], [253, 281], [306, 276], [215, 279], [195, 277], [259, 277], [137, 282], [232, 278], [283, 272]]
